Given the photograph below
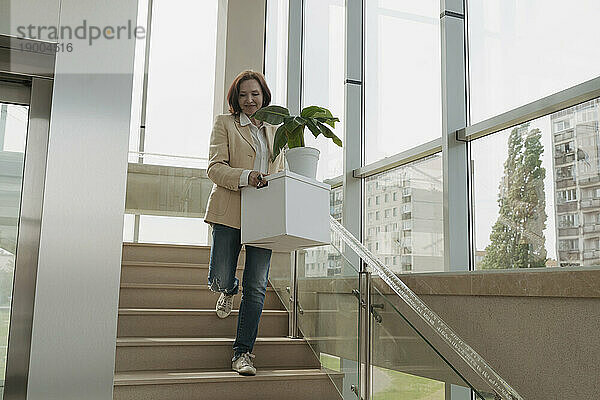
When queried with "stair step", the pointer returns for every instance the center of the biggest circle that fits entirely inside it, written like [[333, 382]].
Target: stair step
[[277, 384], [166, 273], [168, 253], [144, 295], [136, 354], [138, 322]]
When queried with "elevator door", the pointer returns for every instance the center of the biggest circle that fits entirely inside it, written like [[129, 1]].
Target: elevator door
[[14, 119]]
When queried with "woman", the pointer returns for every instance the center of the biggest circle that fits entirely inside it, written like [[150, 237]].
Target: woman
[[240, 155]]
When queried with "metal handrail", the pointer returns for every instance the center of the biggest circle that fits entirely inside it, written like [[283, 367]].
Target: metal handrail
[[470, 356]]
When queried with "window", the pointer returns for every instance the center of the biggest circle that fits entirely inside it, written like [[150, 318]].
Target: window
[[567, 195], [369, 202], [395, 196], [565, 148], [171, 112], [427, 218], [568, 220], [377, 215], [276, 49], [377, 200], [169, 118], [323, 75], [569, 245], [516, 170], [387, 197], [562, 125], [513, 48], [395, 122]]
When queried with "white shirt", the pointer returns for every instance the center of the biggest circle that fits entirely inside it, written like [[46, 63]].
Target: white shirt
[[259, 137]]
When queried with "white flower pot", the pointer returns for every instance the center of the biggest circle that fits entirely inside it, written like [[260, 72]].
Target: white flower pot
[[303, 161]]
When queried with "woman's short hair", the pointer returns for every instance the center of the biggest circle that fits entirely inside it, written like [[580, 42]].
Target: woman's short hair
[[234, 91]]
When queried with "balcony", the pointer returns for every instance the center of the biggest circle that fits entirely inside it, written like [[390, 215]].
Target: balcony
[[568, 206], [568, 231], [561, 158], [591, 227], [568, 255], [562, 183], [589, 181], [591, 254], [589, 203], [559, 137]]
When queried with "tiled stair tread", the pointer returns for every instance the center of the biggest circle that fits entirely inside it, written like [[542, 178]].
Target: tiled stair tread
[[159, 341], [168, 377], [167, 264], [177, 286], [176, 311], [167, 245]]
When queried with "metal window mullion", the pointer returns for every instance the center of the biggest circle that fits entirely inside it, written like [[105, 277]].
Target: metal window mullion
[[354, 159], [294, 59], [294, 102], [454, 152]]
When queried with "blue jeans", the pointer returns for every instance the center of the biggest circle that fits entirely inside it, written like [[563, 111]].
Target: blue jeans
[[221, 278]]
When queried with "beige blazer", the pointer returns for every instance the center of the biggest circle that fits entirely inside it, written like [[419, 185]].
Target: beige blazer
[[231, 151]]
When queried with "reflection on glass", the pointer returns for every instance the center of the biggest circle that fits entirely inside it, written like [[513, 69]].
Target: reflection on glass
[[276, 50], [323, 75], [13, 132], [544, 210], [402, 76], [520, 51], [404, 216]]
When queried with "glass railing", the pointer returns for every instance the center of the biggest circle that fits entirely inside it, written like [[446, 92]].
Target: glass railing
[[404, 359], [403, 301], [166, 199]]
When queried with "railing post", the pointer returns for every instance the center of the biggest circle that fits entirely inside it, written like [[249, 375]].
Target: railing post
[[293, 330], [364, 335]]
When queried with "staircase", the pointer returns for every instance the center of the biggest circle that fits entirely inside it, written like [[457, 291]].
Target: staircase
[[171, 345]]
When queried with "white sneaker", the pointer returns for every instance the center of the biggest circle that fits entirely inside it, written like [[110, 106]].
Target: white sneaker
[[244, 365], [224, 305]]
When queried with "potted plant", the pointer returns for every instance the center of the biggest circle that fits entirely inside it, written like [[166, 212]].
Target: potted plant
[[302, 160]]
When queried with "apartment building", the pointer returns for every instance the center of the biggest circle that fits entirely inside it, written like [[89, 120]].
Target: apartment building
[[575, 138]]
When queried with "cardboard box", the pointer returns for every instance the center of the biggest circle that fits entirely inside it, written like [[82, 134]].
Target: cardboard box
[[291, 213]]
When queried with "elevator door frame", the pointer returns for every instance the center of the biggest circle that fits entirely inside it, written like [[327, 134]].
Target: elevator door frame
[[26, 78]]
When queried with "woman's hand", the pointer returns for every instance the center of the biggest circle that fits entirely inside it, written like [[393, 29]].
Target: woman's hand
[[256, 179]]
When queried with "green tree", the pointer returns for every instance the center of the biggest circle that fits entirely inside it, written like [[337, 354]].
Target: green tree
[[517, 238]]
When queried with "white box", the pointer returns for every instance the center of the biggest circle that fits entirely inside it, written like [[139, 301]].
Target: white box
[[291, 213]]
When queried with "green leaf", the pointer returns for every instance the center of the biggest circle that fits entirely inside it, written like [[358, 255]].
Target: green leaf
[[279, 141], [314, 111], [329, 134], [314, 128], [290, 124], [296, 137], [273, 115], [328, 120]]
